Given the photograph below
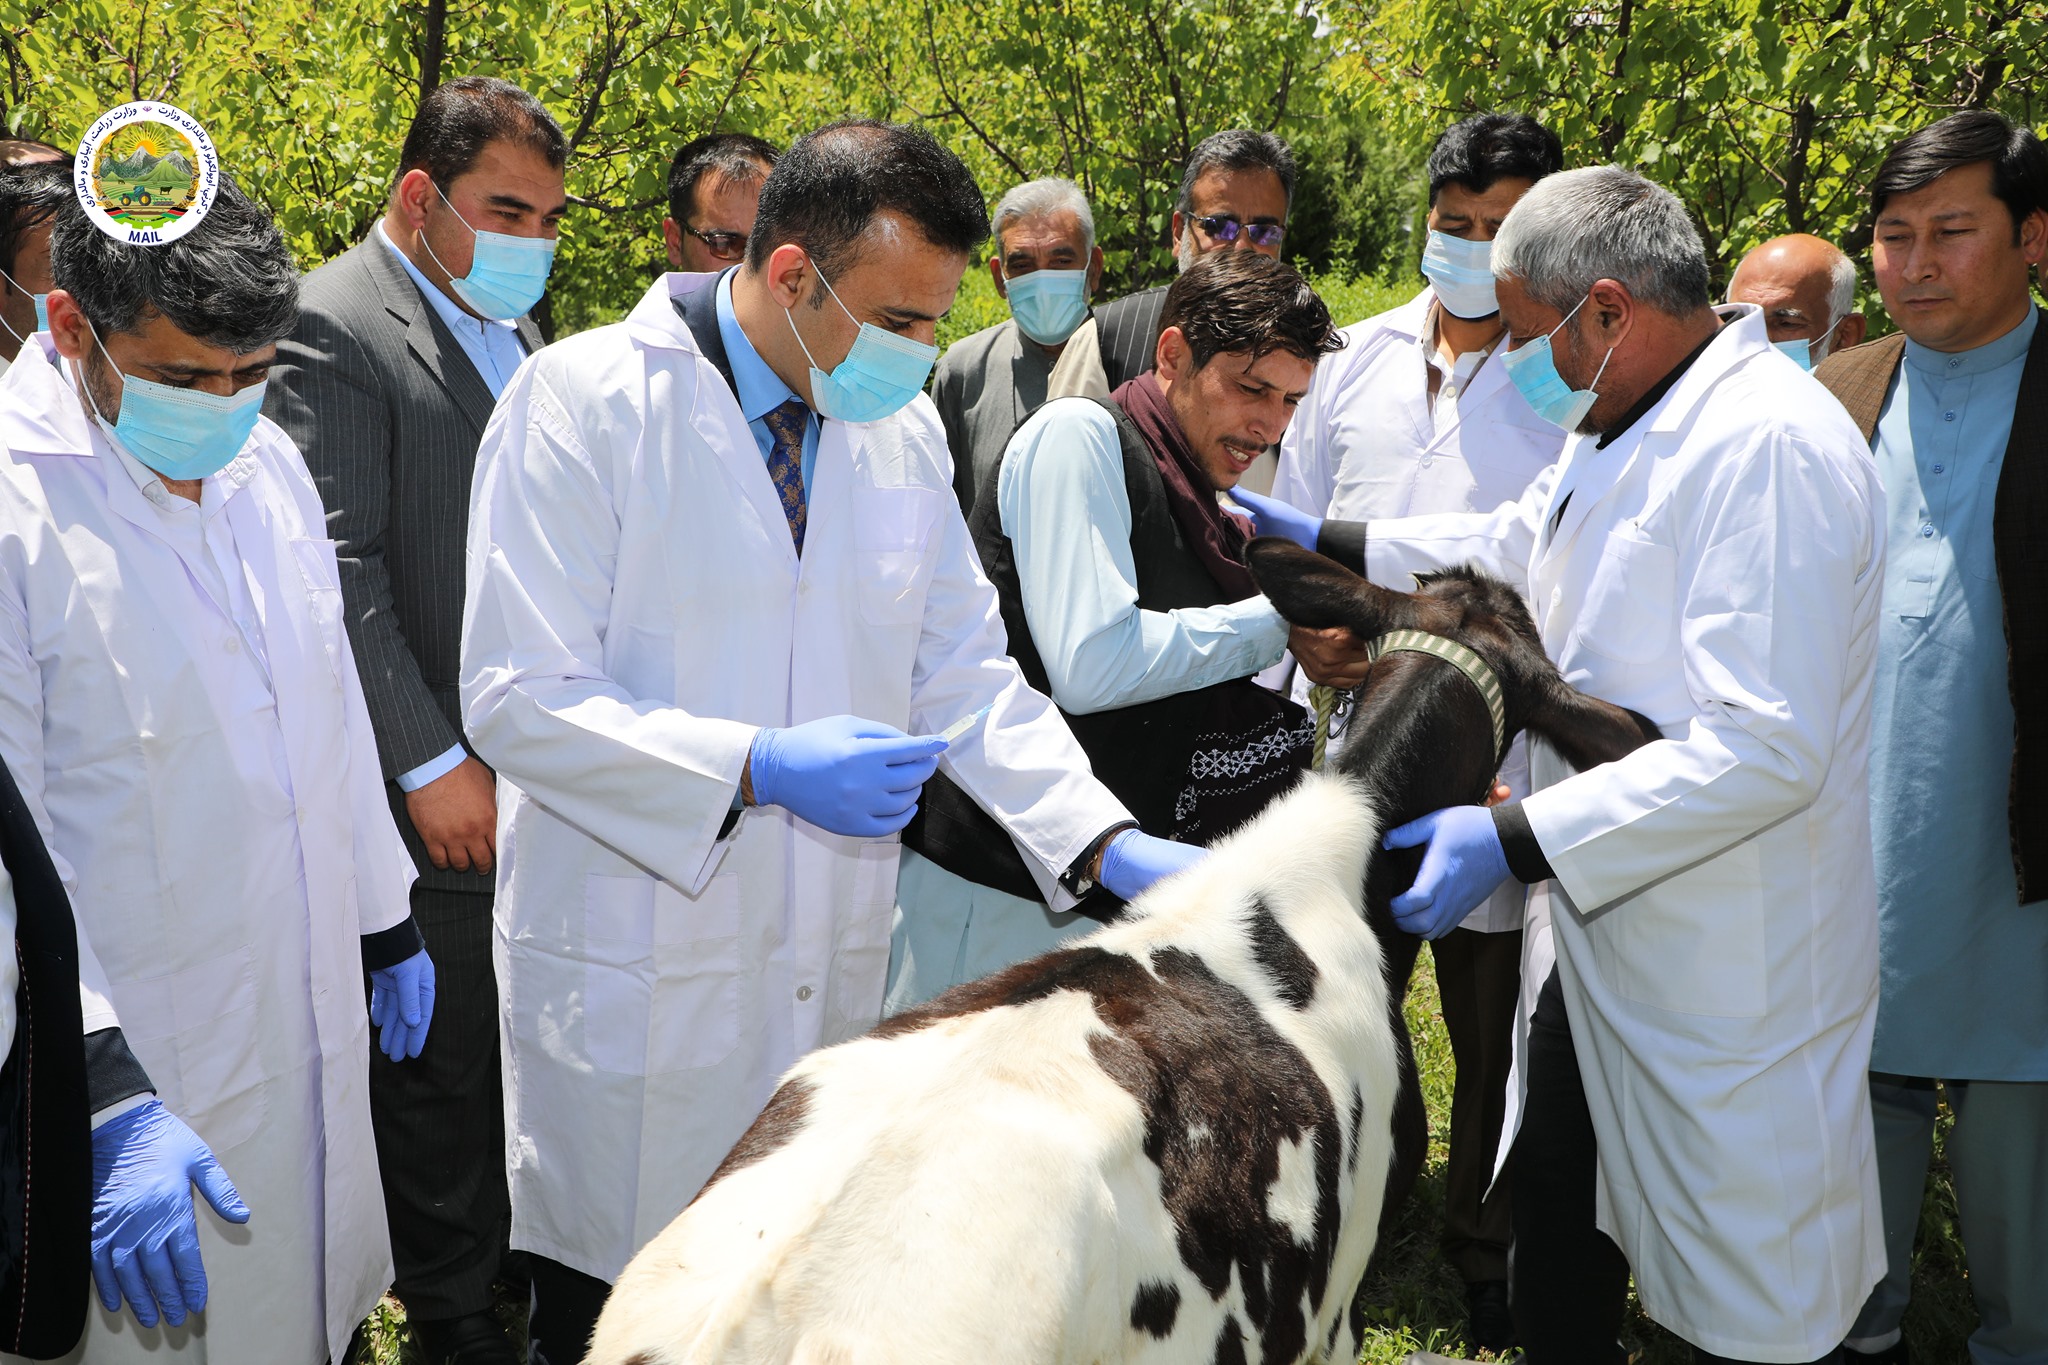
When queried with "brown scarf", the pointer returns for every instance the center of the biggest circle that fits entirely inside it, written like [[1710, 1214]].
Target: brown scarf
[[1218, 537]]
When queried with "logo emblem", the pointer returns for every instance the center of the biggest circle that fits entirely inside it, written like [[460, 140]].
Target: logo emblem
[[146, 173]]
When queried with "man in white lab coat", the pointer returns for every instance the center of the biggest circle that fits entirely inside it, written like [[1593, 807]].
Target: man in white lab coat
[[716, 572], [1709, 552], [180, 709], [1416, 415]]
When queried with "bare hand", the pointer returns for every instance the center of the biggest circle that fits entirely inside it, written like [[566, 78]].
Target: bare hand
[[457, 817], [1332, 657], [1499, 794]]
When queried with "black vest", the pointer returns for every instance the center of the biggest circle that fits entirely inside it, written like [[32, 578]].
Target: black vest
[[1191, 766], [45, 1124]]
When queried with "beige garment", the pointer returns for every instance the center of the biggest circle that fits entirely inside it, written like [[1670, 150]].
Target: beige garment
[[1078, 371]]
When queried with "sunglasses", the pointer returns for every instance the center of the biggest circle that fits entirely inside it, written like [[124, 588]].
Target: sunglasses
[[1224, 227], [726, 246]]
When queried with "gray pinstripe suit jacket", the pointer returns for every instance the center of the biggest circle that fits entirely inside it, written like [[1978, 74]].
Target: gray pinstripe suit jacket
[[388, 410], [1128, 329]]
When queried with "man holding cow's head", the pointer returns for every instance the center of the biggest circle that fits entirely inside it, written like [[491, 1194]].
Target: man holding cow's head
[[1709, 553], [1126, 599]]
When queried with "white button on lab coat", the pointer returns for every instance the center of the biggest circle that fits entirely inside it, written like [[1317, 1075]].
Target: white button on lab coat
[[1717, 568], [1367, 442], [636, 610], [218, 816]]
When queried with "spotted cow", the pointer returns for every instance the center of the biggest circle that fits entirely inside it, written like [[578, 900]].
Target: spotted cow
[[1169, 1142]]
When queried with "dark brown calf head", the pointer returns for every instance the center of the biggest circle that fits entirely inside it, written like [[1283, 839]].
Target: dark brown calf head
[[1477, 611]]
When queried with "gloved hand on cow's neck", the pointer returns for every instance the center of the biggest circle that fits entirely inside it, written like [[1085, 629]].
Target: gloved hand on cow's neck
[[1462, 865], [1272, 517], [1133, 860]]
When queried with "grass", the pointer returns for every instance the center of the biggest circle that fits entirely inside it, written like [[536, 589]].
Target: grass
[[1417, 1302]]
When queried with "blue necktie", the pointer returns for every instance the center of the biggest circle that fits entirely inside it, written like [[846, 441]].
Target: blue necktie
[[786, 463]]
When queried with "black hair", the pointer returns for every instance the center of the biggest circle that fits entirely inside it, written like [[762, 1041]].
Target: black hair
[[31, 193], [229, 282], [734, 156], [459, 118], [1236, 149], [830, 184], [2019, 163], [1232, 301], [1478, 151]]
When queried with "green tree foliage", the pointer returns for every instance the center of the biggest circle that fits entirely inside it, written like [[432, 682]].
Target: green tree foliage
[[1766, 116], [308, 100], [1113, 95]]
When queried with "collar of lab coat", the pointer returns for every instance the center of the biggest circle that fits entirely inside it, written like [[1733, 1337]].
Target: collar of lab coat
[[1590, 472], [1410, 323], [654, 320], [1742, 337], [715, 414], [41, 415]]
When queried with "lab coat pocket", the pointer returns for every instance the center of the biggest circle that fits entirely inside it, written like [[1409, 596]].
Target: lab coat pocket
[[322, 577], [660, 975], [891, 533], [1693, 943], [860, 953], [1630, 605], [198, 1035]]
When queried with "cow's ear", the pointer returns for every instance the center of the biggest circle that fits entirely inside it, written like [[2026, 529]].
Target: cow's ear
[[1586, 731], [1316, 591]]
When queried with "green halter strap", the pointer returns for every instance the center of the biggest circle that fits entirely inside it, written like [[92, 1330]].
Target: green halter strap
[[1458, 657]]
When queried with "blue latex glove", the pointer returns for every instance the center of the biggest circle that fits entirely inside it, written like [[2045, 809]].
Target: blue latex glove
[[844, 774], [1134, 860], [145, 1237], [1462, 865], [402, 1005], [1273, 517]]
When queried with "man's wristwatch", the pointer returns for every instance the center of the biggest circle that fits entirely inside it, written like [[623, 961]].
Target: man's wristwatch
[[1084, 877]]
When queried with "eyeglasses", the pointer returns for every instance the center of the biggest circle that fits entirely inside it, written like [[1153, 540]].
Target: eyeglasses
[[1224, 227], [726, 246]]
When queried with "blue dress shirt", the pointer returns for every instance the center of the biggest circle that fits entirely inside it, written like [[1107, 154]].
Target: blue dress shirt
[[1063, 505], [1961, 993], [495, 350], [759, 390]]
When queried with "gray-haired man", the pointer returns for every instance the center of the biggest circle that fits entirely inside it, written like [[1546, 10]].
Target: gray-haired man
[[1709, 552], [1046, 264]]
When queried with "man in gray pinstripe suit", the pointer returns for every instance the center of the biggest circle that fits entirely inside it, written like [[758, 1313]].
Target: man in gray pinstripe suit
[[402, 346]]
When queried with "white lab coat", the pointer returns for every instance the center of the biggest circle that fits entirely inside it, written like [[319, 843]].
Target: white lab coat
[[1717, 568], [1365, 444], [222, 862], [635, 612]]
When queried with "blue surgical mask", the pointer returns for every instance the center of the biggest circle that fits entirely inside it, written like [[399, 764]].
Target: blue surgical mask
[[180, 433], [879, 376], [1048, 304], [42, 310], [1461, 272], [1802, 350], [1533, 371], [507, 274]]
